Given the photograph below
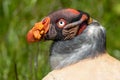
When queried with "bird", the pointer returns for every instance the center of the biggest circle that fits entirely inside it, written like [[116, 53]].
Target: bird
[[77, 38]]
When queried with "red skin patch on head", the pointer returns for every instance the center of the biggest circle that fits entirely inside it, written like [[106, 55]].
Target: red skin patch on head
[[82, 28], [73, 11], [84, 17]]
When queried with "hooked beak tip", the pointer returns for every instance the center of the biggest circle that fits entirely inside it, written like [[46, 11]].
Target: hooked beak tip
[[30, 37]]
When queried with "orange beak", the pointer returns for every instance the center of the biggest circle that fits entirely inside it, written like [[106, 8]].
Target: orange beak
[[38, 31]]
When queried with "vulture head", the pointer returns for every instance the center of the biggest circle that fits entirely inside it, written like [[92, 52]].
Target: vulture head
[[75, 34], [63, 24]]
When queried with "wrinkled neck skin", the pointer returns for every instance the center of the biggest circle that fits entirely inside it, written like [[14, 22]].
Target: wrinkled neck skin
[[89, 44]]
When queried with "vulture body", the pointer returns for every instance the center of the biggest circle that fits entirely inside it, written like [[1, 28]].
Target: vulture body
[[102, 67], [79, 45]]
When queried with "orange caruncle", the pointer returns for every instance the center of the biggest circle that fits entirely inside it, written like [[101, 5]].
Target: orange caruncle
[[36, 34], [38, 30]]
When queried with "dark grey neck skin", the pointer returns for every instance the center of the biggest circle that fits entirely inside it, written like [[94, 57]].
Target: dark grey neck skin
[[89, 44]]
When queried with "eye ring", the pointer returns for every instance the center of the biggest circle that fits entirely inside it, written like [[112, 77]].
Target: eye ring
[[61, 23]]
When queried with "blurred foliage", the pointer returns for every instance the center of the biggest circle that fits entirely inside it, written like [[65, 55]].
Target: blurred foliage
[[22, 61]]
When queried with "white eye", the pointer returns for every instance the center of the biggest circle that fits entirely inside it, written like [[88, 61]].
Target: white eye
[[61, 23]]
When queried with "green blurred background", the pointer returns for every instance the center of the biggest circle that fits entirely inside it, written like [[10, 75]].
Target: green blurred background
[[22, 61]]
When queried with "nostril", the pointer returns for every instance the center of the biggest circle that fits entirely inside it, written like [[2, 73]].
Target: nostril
[[44, 21]]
